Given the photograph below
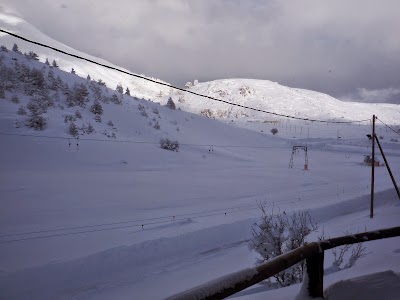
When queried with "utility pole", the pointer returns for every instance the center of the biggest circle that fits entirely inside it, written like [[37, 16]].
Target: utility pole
[[371, 215]]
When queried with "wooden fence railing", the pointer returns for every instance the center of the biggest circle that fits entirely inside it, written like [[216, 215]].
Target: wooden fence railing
[[313, 253]]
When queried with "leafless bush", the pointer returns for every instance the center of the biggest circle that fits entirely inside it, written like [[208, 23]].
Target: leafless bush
[[341, 255], [278, 233], [69, 118], [78, 114], [169, 145], [142, 110], [87, 129], [157, 126], [15, 99]]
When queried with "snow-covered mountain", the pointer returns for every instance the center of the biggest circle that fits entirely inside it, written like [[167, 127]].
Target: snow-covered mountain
[[273, 97], [12, 23], [261, 94]]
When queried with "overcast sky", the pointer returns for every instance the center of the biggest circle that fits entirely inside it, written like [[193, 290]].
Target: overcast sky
[[340, 47]]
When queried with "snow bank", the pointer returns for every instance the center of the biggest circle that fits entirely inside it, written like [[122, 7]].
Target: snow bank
[[383, 285]]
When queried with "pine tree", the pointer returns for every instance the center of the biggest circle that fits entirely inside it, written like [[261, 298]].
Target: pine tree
[[96, 108], [54, 64], [127, 92], [73, 71], [119, 89], [47, 62], [88, 77], [16, 49], [32, 55], [170, 104]]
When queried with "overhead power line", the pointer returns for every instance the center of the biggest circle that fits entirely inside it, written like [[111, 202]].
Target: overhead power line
[[143, 223], [135, 142], [170, 218], [117, 227], [178, 88], [394, 130]]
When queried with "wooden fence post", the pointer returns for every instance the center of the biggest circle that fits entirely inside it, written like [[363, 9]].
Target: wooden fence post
[[315, 270]]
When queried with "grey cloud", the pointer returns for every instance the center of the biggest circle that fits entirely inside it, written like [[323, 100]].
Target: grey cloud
[[389, 95], [332, 46]]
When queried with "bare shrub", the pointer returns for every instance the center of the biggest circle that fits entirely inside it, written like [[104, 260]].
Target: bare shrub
[[278, 233], [142, 110], [169, 145], [69, 118], [342, 258], [207, 113], [78, 114], [87, 129], [15, 99]]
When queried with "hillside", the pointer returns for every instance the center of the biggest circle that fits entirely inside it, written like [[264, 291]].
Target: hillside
[[273, 97], [17, 25]]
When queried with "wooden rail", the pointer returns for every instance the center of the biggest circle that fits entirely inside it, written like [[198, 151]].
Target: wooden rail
[[313, 253]]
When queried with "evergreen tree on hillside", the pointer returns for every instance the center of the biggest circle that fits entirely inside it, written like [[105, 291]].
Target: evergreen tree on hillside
[[127, 92], [32, 55], [78, 95], [170, 104], [119, 89], [47, 62], [54, 64], [59, 82], [51, 80], [96, 108], [16, 49], [73, 71], [88, 77]]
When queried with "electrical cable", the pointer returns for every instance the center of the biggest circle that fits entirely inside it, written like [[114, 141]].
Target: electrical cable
[[187, 215], [388, 126], [135, 142], [114, 228]]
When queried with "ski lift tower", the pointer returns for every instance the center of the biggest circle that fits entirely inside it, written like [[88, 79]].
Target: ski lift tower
[[294, 151]]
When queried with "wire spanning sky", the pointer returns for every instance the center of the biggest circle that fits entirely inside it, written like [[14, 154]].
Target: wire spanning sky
[[348, 49]]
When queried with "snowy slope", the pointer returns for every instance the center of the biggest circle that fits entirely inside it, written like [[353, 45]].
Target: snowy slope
[[9, 22], [273, 97], [72, 216]]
